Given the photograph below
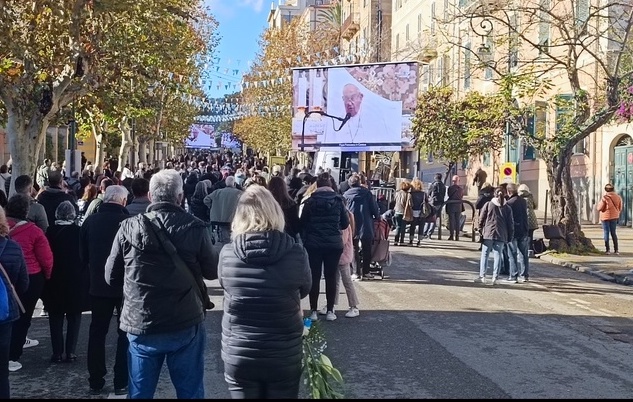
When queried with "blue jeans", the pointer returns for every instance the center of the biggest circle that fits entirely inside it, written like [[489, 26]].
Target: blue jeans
[[401, 226], [496, 247], [608, 227], [184, 351], [518, 253]]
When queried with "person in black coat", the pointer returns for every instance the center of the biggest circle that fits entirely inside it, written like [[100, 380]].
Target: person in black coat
[[454, 209], [12, 260], [97, 235], [197, 207], [290, 208], [264, 273], [361, 202], [65, 295], [485, 194], [53, 195], [322, 218]]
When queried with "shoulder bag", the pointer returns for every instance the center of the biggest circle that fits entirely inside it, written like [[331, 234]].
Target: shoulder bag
[[159, 230]]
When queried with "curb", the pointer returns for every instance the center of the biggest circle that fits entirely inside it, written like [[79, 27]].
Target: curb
[[615, 278]]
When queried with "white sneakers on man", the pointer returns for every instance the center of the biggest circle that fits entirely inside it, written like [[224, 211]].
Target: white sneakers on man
[[14, 366], [29, 343]]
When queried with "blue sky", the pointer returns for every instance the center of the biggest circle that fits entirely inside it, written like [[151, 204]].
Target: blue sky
[[241, 22]]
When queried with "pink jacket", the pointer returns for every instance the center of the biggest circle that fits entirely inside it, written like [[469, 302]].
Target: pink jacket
[[348, 242], [34, 244]]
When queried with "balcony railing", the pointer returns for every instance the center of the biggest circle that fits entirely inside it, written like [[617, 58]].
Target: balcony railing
[[351, 25]]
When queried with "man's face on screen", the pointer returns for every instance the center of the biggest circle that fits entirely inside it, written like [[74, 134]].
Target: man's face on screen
[[352, 99]]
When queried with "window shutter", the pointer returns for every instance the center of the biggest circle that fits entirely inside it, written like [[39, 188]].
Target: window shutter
[[528, 150]]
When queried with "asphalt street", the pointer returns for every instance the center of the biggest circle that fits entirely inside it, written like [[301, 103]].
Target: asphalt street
[[428, 331]]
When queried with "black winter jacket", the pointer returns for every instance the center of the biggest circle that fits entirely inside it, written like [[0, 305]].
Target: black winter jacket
[[264, 276], [13, 262], [437, 192], [361, 202], [97, 235], [158, 296], [519, 213], [322, 218], [51, 198]]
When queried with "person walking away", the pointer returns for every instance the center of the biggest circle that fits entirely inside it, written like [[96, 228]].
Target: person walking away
[[95, 204], [402, 198], [41, 176], [479, 179], [418, 198], [610, 207], [361, 202], [37, 213], [39, 264], [53, 195], [437, 193], [197, 207], [265, 270], [222, 204], [65, 295], [14, 265], [322, 218], [97, 235], [140, 189], [454, 209], [344, 271], [496, 225], [519, 243], [289, 207], [524, 192], [485, 194], [165, 306]]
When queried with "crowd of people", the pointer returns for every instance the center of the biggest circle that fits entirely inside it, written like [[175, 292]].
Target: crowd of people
[[137, 246]]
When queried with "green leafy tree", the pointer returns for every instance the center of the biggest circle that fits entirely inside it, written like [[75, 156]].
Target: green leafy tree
[[454, 129], [577, 45]]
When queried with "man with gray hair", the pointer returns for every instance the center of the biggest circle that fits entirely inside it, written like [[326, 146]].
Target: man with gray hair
[[97, 234], [161, 259], [222, 204], [519, 245]]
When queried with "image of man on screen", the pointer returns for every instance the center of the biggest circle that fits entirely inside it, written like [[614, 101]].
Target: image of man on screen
[[364, 124]]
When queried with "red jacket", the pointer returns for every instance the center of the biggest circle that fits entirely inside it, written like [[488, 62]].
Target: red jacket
[[34, 244]]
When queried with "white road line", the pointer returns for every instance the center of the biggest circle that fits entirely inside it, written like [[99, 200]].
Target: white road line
[[581, 301]]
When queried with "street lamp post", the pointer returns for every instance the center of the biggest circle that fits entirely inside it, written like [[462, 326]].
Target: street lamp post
[[484, 53]]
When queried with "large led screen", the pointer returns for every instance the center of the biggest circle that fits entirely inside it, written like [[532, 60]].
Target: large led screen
[[354, 108]]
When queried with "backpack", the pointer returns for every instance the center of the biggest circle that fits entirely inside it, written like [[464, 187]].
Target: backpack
[[5, 303], [427, 209], [538, 245]]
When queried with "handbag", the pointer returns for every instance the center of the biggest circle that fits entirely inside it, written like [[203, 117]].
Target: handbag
[[159, 230], [408, 210]]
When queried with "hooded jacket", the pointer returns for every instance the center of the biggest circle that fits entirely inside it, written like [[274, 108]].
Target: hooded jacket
[[323, 216], [50, 200], [34, 244], [13, 263], [361, 202], [496, 222], [264, 276], [158, 296]]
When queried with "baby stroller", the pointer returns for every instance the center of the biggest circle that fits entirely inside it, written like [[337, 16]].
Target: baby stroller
[[380, 254]]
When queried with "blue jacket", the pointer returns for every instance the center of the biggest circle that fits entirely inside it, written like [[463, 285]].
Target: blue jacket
[[14, 264], [361, 203]]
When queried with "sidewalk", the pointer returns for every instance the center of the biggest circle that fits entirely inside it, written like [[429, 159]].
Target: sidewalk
[[612, 268]]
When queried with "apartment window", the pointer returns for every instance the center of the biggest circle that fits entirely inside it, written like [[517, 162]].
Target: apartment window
[[543, 26], [440, 70], [582, 15], [431, 74], [467, 66], [486, 159], [364, 3], [581, 147], [536, 126], [488, 72], [419, 22], [397, 42], [446, 63], [446, 6], [425, 76], [432, 18], [407, 33]]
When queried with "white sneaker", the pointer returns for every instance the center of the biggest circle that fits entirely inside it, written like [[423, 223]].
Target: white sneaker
[[323, 311], [14, 366], [353, 312], [29, 343], [330, 316], [314, 316], [481, 279], [494, 281]]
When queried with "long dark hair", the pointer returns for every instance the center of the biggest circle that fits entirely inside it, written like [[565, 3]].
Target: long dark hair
[[279, 189], [500, 194]]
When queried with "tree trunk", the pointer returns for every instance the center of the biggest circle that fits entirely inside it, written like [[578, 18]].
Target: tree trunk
[[98, 135], [563, 206], [24, 137], [151, 157], [142, 150], [126, 142]]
